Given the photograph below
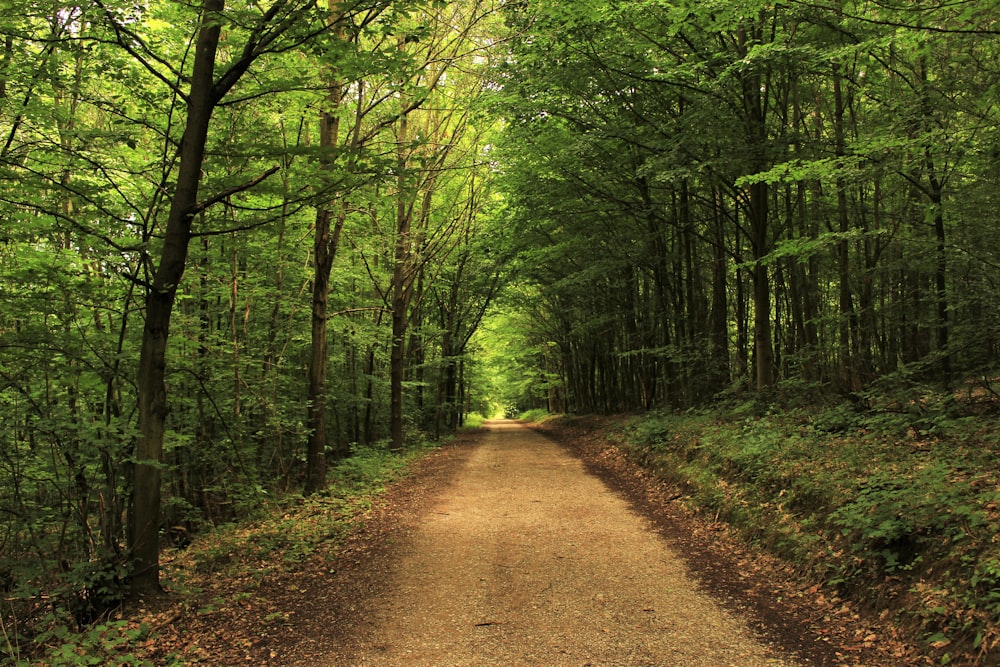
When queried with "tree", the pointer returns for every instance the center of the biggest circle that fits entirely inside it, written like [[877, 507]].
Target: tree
[[783, 146], [163, 164], [205, 92], [424, 143]]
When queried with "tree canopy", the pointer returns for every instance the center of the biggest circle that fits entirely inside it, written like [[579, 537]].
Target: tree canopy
[[721, 197]]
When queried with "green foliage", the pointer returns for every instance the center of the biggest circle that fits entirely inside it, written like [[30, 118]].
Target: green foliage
[[96, 644], [290, 528], [369, 469], [512, 366], [88, 164], [894, 514], [474, 420], [637, 171], [534, 416], [284, 533], [616, 206]]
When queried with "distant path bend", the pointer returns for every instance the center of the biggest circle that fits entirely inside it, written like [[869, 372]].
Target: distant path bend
[[526, 559]]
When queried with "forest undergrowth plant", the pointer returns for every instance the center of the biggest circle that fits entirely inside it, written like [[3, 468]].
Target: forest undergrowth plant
[[93, 645], [534, 415], [474, 420], [870, 502], [289, 529], [283, 532]]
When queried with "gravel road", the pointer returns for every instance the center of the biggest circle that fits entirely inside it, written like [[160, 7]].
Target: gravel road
[[526, 559]]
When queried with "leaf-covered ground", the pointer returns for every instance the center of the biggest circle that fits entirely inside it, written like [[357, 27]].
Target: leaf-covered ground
[[890, 512], [822, 626], [243, 595]]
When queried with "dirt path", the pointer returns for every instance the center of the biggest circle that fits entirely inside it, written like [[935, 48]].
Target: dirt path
[[525, 559]]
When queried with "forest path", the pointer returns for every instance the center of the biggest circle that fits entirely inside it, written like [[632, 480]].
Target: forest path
[[524, 558]]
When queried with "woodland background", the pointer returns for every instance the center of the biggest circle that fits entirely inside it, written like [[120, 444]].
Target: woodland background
[[361, 222]]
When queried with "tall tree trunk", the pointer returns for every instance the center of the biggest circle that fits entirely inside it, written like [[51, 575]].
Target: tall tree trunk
[[397, 355], [935, 193], [417, 352], [763, 350], [719, 316], [940, 272], [325, 239], [848, 318], [318, 352], [144, 524], [754, 110]]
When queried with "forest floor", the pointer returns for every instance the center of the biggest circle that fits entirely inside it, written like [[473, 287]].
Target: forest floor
[[506, 548]]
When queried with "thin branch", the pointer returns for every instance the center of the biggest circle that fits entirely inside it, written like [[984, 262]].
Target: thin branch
[[229, 192], [123, 38], [901, 24], [370, 309]]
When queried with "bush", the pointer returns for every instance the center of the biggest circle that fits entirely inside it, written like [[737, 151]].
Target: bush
[[474, 420], [535, 415]]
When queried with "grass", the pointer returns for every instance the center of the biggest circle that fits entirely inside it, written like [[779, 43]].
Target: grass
[[534, 416], [899, 509]]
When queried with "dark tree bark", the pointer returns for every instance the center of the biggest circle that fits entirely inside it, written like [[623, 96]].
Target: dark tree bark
[[719, 315], [399, 303], [144, 524], [757, 212], [326, 237], [205, 93], [847, 330]]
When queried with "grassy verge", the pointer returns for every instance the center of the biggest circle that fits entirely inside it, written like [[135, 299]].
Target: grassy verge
[[535, 416], [282, 535], [898, 509]]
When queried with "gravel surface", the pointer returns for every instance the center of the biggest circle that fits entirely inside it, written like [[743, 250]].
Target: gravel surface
[[526, 559]]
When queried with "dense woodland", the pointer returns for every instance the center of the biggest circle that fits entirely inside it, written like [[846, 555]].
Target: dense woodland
[[360, 221], [296, 193], [732, 195]]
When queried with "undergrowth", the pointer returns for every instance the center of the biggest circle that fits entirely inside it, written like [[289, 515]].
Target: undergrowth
[[896, 507], [534, 416], [474, 420], [286, 531], [281, 534]]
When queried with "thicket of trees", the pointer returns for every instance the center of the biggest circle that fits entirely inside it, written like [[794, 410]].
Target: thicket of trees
[[296, 192], [748, 195]]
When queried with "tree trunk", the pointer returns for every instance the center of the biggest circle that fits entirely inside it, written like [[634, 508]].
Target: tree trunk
[[719, 315], [397, 355], [325, 239], [754, 110], [316, 411], [848, 319], [144, 524], [940, 277]]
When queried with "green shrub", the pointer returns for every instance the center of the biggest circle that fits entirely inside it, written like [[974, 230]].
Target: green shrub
[[474, 420], [536, 415]]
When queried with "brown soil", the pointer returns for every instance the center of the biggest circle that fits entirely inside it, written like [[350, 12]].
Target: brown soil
[[500, 549]]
